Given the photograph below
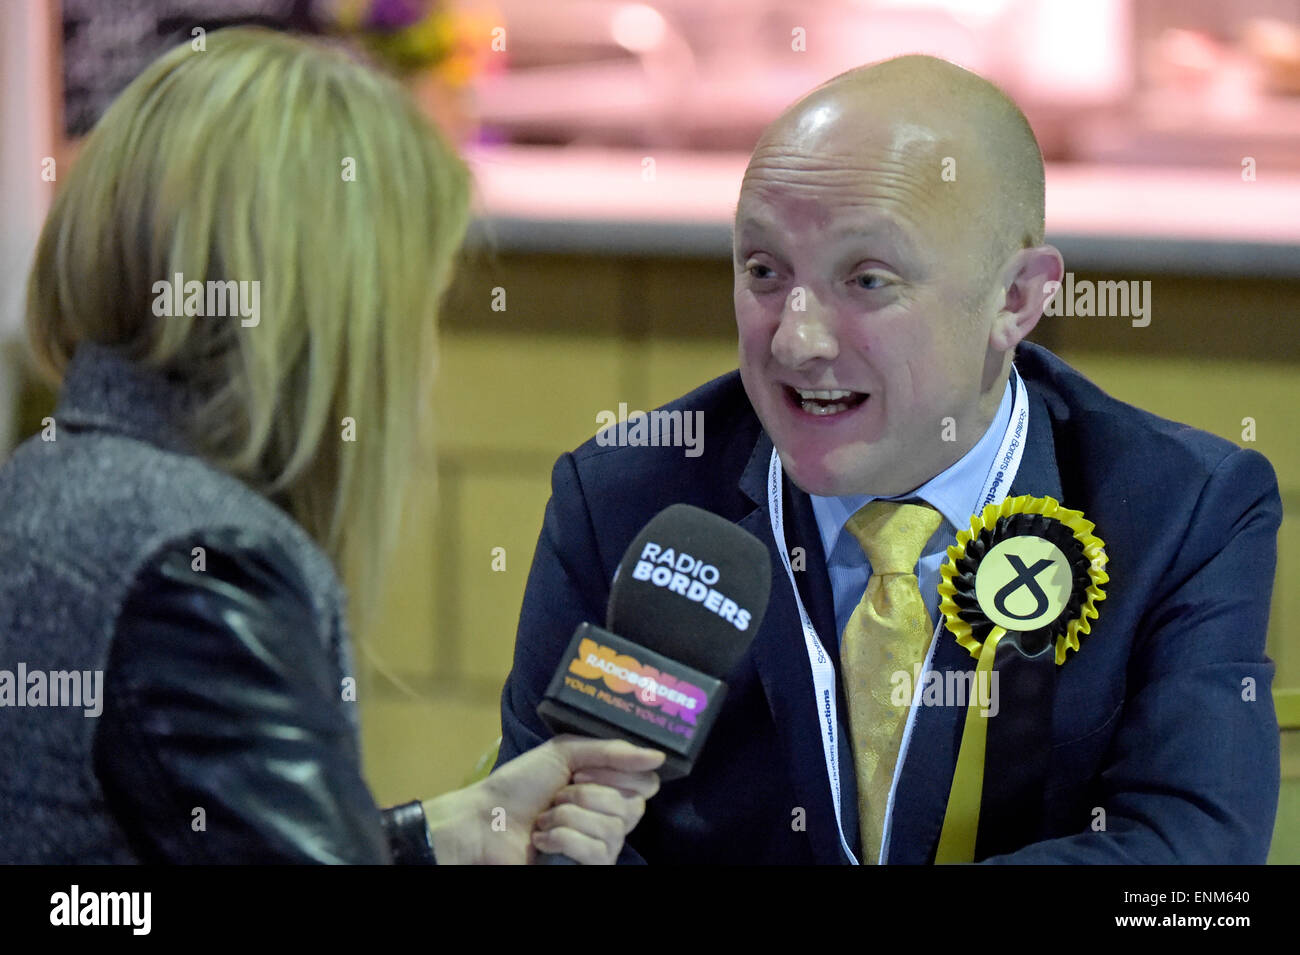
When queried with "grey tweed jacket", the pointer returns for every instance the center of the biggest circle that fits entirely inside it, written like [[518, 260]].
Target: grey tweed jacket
[[83, 507]]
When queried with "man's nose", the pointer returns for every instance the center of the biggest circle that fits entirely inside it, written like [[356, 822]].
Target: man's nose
[[805, 332]]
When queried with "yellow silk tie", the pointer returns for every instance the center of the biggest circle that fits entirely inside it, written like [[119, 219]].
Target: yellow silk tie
[[889, 632]]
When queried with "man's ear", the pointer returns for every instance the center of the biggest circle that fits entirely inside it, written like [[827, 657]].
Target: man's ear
[[1030, 278]]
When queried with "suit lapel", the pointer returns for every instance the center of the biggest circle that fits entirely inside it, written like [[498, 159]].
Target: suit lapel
[[779, 654], [921, 797]]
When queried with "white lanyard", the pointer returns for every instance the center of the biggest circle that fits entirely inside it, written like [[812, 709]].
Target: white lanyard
[[994, 491]]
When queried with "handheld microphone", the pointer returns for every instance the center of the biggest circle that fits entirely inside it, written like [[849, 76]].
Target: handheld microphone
[[687, 599]]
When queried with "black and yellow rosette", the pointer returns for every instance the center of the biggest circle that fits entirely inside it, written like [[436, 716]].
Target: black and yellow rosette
[[1030, 571]]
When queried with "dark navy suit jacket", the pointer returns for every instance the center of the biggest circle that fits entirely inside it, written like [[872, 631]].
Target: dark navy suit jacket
[[1163, 721]]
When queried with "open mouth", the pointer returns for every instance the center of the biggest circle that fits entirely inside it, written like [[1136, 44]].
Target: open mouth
[[825, 403]]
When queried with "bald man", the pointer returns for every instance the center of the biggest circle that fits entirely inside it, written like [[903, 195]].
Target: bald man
[[889, 263]]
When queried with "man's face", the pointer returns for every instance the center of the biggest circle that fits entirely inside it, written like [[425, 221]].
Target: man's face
[[858, 308]]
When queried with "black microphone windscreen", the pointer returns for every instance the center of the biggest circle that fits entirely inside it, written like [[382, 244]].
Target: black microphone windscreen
[[694, 587]]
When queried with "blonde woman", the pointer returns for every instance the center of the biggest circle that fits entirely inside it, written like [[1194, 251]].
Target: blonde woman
[[245, 260]]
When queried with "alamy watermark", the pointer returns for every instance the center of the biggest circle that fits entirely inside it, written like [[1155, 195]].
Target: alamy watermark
[[77, 688], [1085, 299], [213, 298], [952, 688], [77, 907], [657, 429]]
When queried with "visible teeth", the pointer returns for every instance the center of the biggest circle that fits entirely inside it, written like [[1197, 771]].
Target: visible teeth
[[812, 407], [823, 395]]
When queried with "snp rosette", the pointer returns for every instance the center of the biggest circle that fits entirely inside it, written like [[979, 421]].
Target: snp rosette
[[1028, 570]]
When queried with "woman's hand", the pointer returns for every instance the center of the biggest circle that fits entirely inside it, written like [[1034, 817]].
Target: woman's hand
[[571, 795]]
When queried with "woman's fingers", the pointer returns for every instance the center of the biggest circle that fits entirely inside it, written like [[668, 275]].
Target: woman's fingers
[[584, 835], [604, 799], [580, 848], [582, 753], [644, 785], [590, 816]]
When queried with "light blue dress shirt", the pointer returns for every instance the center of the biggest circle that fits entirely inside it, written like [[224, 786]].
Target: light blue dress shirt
[[953, 493]]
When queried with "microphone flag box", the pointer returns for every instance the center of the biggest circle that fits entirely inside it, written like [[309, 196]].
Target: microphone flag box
[[613, 688]]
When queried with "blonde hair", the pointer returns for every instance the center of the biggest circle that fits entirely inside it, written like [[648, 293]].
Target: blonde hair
[[273, 159]]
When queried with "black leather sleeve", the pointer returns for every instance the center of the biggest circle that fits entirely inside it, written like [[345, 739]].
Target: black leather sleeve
[[223, 737]]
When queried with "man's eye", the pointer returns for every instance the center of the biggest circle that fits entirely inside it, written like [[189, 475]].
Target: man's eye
[[869, 281], [760, 272]]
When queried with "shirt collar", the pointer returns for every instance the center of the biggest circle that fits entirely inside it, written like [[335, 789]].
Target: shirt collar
[[104, 390], [950, 492]]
